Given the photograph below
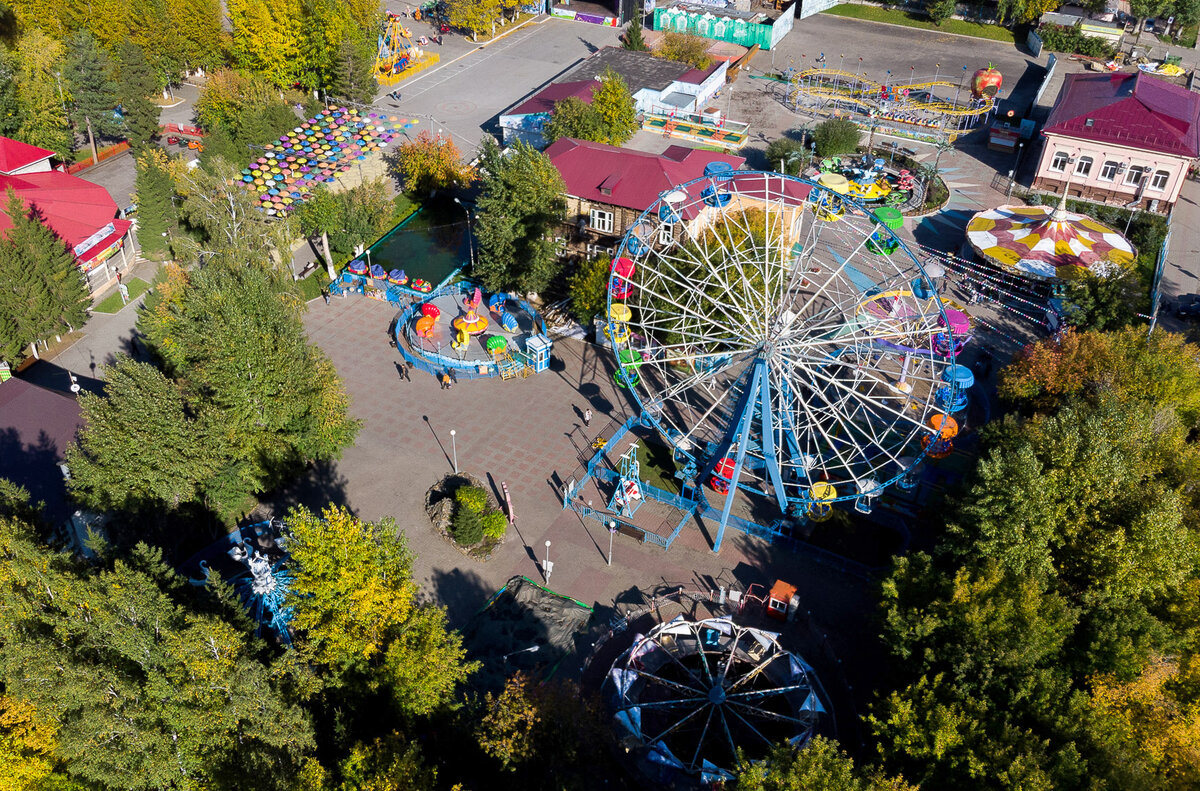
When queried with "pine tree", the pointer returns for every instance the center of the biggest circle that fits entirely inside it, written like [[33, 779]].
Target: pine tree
[[156, 206], [88, 73], [633, 40], [351, 77], [10, 103], [135, 87]]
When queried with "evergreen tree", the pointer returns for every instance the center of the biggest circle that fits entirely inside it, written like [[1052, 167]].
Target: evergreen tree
[[140, 449], [43, 112], [136, 85], [10, 103], [351, 76], [88, 73], [156, 204], [144, 694], [45, 293], [633, 40], [520, 208]]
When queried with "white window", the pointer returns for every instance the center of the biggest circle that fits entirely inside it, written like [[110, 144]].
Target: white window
[[1109, 171], [601, 221], [666, 233], [1083, 166], [1060, 160], [1158, 182], [1134, 176]]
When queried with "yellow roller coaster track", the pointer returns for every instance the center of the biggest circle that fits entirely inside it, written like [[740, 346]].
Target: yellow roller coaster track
[[844, 86]]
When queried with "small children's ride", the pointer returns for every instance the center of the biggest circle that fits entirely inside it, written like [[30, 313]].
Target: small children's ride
[[421, 285], [397, 277], [498, 304]]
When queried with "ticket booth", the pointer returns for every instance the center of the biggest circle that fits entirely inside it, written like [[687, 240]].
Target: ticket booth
[[782, 602]]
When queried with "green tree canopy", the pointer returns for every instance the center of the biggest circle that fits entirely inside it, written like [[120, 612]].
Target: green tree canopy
[[176, 698], [520, 208], [588, 288], [573, 117], [136, 83], [836, 137], [88, 73], [613, 103], [157, 215], [818, 766], [632, 40]]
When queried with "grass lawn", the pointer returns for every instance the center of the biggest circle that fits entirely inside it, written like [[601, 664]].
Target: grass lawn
[[310, 287], [112, 303], [898, 17], [657, 465]]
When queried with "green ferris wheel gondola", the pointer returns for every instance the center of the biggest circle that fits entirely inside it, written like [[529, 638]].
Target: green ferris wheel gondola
[[626, 374]]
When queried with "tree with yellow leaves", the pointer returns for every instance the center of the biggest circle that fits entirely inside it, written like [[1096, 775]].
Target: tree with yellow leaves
[[267, 39], [356, 611]]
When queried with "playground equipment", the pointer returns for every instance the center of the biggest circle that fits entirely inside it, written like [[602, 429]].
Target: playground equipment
[[357, 267], [698, 695], [397, 277], [627, 496], [257, 573], [396, 56], [925, 109], [471, 322], [421, 285], [773, 351], [699, 129], [498, 304], [377, 272], [427, 321], [1045, 243]]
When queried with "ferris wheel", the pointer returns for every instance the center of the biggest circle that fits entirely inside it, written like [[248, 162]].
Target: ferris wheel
[[783, 339]]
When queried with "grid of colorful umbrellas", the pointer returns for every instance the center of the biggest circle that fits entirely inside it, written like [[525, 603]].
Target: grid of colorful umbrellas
[[313, 153]]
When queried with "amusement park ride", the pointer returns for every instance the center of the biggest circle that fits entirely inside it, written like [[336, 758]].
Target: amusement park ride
[[786, 343], [932, 109], [396, 55]]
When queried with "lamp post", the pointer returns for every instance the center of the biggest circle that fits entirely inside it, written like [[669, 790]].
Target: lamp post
[[547, 566], [612, 529], [454, 449], [470, 240], [533, 649]]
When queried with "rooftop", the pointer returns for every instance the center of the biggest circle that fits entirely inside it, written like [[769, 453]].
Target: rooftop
[[38, 424], [15, 155], [624, 177], [544, 100], [639, 69], [73, 208], [1134, 110]]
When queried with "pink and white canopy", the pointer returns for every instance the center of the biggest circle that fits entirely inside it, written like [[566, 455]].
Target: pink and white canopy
[[1045, 242]]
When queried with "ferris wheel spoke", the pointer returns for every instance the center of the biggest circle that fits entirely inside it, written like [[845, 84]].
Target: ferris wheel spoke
[[679, 724], [734, 711], [829, 442], [683, 689], [765, 693], [765, 714], [703, 736], [690, 288], [666, 704], [754, 671]]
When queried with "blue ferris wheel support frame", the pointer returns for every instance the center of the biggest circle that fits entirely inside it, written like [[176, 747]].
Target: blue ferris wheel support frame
[[754, 408]]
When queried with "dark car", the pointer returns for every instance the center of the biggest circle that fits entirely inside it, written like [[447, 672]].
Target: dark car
[[1188, 307]]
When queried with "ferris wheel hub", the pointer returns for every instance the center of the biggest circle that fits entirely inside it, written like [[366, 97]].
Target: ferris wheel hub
[[716, 695]]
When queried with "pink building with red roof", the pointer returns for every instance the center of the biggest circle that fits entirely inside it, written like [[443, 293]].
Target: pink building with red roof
[[83, 214], [608, 188], [1120, 138]]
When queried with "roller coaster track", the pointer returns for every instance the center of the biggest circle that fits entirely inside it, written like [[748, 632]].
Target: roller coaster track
[[854, 88]]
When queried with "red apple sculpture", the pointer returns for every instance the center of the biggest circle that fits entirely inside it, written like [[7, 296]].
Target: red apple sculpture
[[986, 82]]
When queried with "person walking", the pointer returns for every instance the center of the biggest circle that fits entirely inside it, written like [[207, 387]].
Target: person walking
[[404, 371], [587, 417], [325, 295], [445, 381]]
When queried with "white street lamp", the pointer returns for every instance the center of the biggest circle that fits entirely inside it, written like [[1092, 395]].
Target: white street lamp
[[612, 529], [454, 449], [547, 566]]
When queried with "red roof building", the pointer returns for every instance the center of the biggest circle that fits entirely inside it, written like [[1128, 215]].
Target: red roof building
[[608, 188], [83, 214], [1120, 138]]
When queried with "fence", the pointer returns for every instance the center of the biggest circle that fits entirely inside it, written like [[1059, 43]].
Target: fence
[[1156, 286], [104, 153]]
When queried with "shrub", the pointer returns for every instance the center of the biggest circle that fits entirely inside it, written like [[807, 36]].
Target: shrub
[[836, 137], [791, 154], [1060, 38], [940, 10], [684, 48], [471, 498], [466, 526], [588, 288], [493, 523]]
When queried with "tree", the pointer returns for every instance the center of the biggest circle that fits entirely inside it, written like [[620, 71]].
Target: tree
[[1024, 12], [588, 288], [140, 447], [1103, 301], [230, 225], [550, 735], [88, 73], [267, 39], [43, 112], [476, 16], [613, 103], [818, 766], [176, 697], [157, 216], [392, 763], [428, 163], [235, 341], [42, 291], [633, 35], [353, 71], [11, 111], [684, 48], [27, 746], [356, 611], [787, 155], [572, 117], [520, 207], [318, 217], [940, 10], [836, 137], [135, 86], [195, 29]]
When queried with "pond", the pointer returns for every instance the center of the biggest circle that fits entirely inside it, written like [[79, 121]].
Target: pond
[[431, 244]]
